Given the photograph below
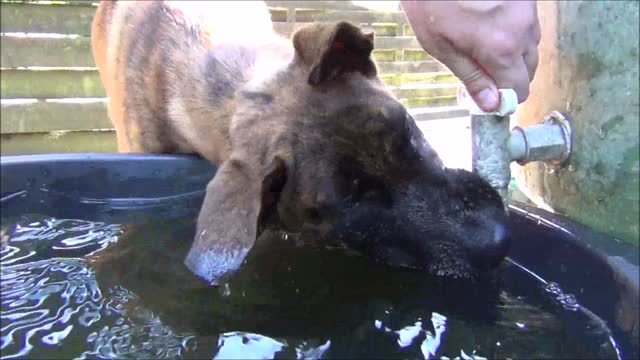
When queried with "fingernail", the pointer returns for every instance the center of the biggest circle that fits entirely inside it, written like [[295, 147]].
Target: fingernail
[[487, 100]]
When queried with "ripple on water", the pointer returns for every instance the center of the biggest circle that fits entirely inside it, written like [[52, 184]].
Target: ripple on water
[[49, 294], [52, 307]]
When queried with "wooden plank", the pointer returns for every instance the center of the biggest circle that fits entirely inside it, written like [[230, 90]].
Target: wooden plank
[[354, 16], [384, 55], [408, 30], [64, 19], [278, 14], [441, 77], [60, 19], [438, 113], [450, 100], [417, 79], [382, 29], [55, 52], [396, 42], [380, 42], [52, 116], [425, 90], [404, 67], [415, 55], [385, 29], [50, 84], [61, 142], [67, 52]]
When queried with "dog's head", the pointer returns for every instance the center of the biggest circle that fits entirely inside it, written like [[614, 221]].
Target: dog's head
[[323, 149]]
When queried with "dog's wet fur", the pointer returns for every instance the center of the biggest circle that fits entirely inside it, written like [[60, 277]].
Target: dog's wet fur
[[305, 136]]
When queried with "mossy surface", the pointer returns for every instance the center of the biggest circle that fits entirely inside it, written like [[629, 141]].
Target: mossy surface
[[589, 70]]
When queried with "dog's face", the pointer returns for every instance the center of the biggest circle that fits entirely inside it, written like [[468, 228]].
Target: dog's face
[[322, 149]]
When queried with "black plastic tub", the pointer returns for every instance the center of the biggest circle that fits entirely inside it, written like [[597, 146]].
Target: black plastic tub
[[591, 272]]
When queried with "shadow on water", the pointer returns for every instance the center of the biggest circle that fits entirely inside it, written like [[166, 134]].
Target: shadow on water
[[115, 286], [81, 289]]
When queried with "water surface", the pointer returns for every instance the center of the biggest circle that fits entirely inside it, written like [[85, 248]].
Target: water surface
[[73, 288]]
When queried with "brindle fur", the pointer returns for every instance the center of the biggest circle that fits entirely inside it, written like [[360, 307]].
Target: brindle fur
[[303, 131]]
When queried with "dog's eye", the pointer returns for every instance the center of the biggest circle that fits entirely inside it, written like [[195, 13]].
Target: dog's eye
[[358, 189], [355, 186], [360, 186]]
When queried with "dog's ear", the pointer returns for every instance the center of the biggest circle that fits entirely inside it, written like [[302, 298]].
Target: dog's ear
[[236, 202], [334, 49]]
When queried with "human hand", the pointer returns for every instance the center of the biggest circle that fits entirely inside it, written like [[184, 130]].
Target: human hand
[[486, 44]]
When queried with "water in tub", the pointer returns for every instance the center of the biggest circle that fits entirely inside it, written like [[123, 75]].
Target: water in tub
[[80, 289]]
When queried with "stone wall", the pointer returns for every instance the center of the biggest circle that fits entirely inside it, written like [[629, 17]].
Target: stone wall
[[589, 70]]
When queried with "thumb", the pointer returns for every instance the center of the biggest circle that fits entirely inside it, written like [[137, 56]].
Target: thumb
[[479, 85]]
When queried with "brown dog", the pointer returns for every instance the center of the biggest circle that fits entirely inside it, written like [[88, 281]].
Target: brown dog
[[305, 135]]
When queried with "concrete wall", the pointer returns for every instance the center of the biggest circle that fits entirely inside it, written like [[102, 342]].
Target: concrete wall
[[589, 70]]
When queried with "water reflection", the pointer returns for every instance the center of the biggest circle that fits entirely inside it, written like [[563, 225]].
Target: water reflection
[[239, 345], [50, 296], [432, 342], [41, 297], [80, 289], [137, 333]]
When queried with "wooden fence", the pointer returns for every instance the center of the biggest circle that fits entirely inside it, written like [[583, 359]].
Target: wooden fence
[[53, 100]]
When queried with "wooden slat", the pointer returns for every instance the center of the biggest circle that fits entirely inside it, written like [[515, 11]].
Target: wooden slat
[[415, 55], [60, 19], [64, 19], [47, 116], [380, 42], [77, 20], [56, 52], [385, 55], [50, 84], [404, 67], [355, 16], [396, 42], [21, 51], [419, 102], [385, 29], [74, 141], [408, 31], [440, 77], [76, 52], [277, 14], [425, 91], [286, 29], [418, 78]]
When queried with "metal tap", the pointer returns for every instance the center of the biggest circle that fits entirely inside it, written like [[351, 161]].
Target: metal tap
[[495, 146]]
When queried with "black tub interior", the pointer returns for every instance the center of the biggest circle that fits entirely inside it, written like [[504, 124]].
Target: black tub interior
[[92, 250]]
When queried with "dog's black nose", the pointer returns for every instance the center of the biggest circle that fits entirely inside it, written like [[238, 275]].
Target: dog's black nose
[[487, 252]]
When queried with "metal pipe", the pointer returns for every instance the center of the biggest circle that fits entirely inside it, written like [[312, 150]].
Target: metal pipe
[[494, 147], [549, 142], [490, 151], [490, 140]]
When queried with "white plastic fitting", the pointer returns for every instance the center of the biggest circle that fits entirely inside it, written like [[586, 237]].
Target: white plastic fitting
[[508, 102]]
